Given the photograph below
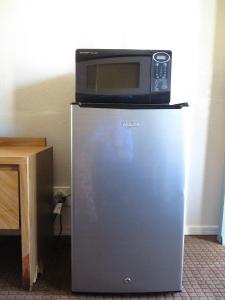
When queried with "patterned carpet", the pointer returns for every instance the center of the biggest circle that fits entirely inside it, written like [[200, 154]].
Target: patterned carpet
[[204, 273]]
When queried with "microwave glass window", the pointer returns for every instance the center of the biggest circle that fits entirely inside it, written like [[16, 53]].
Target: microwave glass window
[[113, 76]]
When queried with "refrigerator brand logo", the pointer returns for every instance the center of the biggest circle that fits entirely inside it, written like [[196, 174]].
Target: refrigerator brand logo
[[130, 124], [88, 52]]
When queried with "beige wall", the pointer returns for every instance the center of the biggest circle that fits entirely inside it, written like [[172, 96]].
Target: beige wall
[[204, 195], [38, 40]]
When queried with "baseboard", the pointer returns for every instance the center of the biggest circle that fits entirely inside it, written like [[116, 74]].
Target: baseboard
[[201, 230]]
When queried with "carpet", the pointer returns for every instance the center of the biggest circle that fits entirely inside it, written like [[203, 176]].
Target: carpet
[[204, 273]]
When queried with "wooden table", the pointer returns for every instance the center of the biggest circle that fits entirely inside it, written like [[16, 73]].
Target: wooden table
[[26, 199]]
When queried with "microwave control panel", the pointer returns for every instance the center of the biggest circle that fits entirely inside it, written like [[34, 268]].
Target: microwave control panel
[[161, 72]]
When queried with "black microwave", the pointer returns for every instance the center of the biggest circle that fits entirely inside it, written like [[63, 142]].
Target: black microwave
[[123, 76]]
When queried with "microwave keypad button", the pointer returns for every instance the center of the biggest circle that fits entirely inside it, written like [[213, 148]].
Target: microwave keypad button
[[164, 86], [156, 85], [160, 85]]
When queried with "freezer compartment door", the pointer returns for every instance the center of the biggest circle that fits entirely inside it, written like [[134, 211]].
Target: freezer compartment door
[[127, 200]]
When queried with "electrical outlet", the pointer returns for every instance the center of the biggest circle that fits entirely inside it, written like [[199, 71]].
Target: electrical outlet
[[65, 191]]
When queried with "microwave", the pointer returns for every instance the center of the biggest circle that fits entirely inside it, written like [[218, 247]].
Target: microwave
[[123, 76]]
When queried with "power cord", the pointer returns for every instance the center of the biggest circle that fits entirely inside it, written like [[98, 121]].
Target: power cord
[[60, 201]]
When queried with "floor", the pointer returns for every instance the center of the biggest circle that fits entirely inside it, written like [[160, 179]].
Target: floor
[[204, 273]]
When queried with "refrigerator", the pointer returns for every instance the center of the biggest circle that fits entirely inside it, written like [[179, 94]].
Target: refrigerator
[[128, 175]]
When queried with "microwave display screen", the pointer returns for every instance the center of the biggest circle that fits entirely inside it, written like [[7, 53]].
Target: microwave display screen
[[161, 57], [113, 76]]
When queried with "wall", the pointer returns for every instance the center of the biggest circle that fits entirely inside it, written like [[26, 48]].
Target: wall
[[215, 150], [38, 40]]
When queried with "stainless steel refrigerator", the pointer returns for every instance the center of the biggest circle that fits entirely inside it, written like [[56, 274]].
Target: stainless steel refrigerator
[[127, 198]]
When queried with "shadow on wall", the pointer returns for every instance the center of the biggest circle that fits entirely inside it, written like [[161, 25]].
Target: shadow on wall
[[216, 129], [43, 109]]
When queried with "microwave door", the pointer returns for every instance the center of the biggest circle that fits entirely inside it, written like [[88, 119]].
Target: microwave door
[[113, 78]]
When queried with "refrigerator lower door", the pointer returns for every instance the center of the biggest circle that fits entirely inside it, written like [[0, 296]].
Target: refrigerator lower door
[[127, 200]]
